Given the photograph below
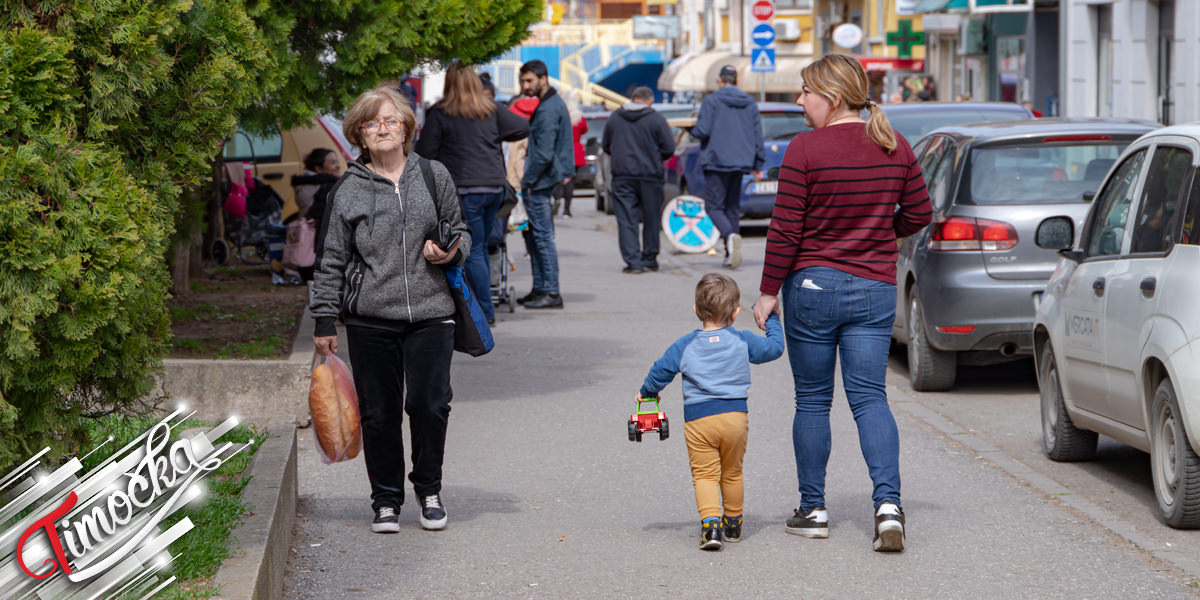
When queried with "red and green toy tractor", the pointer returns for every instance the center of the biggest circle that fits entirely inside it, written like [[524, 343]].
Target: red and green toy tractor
[[648, 420]]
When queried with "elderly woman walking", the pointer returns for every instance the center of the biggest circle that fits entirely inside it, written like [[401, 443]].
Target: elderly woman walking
[[378, 271], [847, 190]]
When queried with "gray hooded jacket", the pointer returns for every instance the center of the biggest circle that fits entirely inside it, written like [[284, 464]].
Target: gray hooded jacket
[[378, 228]]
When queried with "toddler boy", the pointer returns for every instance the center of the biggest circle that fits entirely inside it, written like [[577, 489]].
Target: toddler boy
[[715, 363]]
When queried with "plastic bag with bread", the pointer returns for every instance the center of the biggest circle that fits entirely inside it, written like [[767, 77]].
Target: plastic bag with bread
[[334, 407]]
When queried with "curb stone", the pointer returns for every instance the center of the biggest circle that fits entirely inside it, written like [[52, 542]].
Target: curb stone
[[255, 567]]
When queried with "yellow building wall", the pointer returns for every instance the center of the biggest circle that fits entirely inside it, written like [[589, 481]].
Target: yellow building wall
[[806, 27], [891, 23]]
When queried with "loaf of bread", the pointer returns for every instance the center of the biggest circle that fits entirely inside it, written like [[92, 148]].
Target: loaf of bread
[[334, 412]]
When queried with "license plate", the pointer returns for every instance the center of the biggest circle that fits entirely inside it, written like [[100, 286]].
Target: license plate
[[764, 187]]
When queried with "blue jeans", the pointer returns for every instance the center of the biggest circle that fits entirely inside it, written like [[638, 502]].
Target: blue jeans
[[543, 254], [479, 211], [854, 316]]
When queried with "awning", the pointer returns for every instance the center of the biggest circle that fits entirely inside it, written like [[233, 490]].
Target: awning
[[698, 73], [925, 6]]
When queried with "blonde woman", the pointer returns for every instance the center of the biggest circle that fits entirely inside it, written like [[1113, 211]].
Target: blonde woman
[[379, 272], [847, 190], [465, 130]]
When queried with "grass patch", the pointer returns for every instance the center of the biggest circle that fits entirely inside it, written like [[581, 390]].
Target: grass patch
[[201, 551]]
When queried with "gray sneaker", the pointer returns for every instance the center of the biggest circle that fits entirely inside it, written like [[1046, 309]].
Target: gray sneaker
[[735, 250]]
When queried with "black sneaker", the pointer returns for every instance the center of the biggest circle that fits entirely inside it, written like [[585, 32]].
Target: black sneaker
[[815, 524], [535, 294], [733, 528], [629, 270], [710, 534], [651, 266], [889, 528], [387, 520], [545, 301], [433, 513]]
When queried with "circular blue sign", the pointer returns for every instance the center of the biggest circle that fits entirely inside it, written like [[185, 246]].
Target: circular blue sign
[[763, 34], [687, 226]]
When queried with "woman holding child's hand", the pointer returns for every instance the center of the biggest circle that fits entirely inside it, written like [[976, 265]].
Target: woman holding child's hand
[[847, 190]]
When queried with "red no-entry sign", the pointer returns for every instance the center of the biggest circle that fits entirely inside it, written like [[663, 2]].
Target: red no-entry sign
[[763, 10]]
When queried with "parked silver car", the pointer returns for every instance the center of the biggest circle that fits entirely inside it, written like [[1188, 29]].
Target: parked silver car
[[1117, 333], [966, 280]]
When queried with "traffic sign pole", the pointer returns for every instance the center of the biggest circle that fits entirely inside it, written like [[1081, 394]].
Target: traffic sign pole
[[762, 55]]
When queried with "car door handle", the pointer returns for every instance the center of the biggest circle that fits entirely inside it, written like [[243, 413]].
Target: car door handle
[[1098, 286], [1149, 284]]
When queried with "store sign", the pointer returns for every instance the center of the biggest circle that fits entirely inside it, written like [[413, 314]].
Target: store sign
[[891, 64], [847, 35]]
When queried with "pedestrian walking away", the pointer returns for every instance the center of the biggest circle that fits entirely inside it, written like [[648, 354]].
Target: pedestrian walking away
[[638, 139], [550, 161], [715, 363], [847, 190], [731, 145], [579, 127], [380, 273], [464, 131]]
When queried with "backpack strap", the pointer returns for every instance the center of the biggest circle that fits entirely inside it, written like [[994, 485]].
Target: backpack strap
[[430, 184]]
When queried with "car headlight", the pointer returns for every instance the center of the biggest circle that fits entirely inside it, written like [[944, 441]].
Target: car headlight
[[591, 157]]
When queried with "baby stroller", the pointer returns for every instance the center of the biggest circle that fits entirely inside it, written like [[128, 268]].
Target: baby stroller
[[249, 219], [501, 266]]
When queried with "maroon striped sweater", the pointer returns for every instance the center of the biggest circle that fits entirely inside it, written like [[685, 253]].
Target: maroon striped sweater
[[842, 203]]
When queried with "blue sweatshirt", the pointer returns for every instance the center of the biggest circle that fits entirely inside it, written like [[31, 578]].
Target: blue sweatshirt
[[715, 367]]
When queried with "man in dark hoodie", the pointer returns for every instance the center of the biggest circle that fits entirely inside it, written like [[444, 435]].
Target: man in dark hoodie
[[731, 144], [638, 139], [550, 161]]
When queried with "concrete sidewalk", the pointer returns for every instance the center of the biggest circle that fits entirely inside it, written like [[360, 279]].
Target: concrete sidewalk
[[548, 499]]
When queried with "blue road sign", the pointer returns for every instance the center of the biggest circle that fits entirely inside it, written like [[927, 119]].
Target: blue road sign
[[763, 34], [762, 60], [688, 226]]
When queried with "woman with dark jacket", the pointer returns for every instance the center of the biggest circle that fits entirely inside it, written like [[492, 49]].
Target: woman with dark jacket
[[847, 190], [464, 131], [378, 270]]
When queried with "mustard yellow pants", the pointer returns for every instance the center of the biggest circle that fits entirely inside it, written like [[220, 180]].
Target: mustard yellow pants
[[716, 445]]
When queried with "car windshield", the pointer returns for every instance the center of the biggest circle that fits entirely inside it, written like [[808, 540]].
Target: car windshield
[[913, 125], [1037, 174], [782, 125]]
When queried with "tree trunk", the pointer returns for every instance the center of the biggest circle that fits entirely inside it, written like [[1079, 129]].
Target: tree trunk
[[180, 261]]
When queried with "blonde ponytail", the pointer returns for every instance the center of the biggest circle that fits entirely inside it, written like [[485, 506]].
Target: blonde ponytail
[[842, 76], [879, 129]]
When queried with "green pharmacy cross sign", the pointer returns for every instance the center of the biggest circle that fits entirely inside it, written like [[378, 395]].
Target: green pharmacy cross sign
[[906, 38]]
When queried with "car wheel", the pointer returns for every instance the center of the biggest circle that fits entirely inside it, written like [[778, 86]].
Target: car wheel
[[1173, 462], [929, 369], [1061, 440]]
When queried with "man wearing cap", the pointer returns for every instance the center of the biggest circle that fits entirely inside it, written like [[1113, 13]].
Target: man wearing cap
[[731, 145]]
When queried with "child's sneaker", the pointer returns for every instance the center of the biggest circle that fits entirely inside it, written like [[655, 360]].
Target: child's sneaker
[[733, 528], [889, 528], [710, 534], [815, 524]]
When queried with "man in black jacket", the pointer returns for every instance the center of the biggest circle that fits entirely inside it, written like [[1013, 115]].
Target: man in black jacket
[[637, 139]]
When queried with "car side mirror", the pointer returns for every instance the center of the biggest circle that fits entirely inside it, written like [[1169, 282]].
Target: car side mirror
[[1056, 233], [1089, 196]]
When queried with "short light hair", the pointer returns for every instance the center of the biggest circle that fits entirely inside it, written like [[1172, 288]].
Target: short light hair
[[366, 106], [717, 296]]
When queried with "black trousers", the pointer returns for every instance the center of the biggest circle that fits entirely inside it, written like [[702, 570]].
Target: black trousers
[[638, 201], [387, 363]]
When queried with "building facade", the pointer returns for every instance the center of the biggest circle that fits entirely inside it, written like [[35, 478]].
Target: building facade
[[1132, 59]]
